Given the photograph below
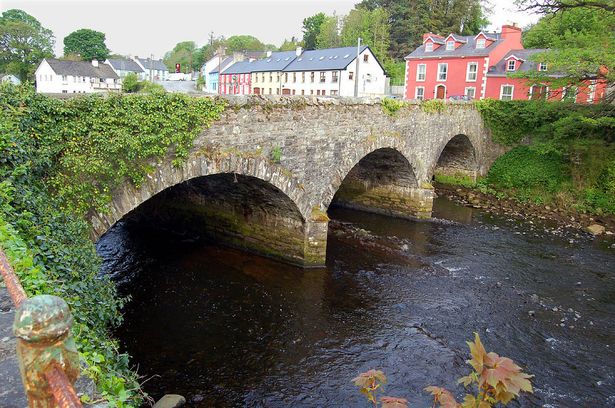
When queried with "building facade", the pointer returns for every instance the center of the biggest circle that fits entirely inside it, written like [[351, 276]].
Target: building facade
[[482, 66], [123, 67], [155, 70], [58, 76], [236, 80]]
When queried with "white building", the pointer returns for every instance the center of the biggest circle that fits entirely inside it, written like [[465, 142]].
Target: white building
[[123, 67], [4, 78], [155, 70], [58, 76], [333, 71]]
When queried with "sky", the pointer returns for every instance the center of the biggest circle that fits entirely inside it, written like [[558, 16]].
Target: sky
[[144, 28]]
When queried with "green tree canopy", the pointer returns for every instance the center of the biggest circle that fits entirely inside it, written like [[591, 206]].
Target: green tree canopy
[[290, 45], [329, 35], [183, 53], [580, 43], [243, 43], [373, 28], [86, 43], [311, 29], [23, 43]]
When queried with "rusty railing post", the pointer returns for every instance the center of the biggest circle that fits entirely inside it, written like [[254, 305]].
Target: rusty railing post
[[45, 347]]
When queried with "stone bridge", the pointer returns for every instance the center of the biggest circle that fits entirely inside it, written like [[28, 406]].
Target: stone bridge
[[263, 177]]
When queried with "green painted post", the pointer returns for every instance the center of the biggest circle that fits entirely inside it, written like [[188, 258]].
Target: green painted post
[[42, 326]]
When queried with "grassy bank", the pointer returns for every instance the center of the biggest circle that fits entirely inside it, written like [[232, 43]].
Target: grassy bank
[[60, 160]]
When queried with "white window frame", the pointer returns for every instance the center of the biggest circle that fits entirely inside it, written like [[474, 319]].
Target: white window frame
[[416, 92], [450, 45], [418, 72], [508, 65], [442, 64], [567, 89], [465, 91], [512, 92], [468, 72], [429, 46], [481, 43], [542, 66]]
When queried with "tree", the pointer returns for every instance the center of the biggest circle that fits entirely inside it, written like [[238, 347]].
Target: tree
[[553, 6], [86, 43], [329, 35], [311, 29], [243, 43], [373, 28], [579, 42], [290, 45], [23, 43], [130, 83], [183, 54]]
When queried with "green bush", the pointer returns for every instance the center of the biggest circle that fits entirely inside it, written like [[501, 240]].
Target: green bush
[[130, 83], [60, 160]]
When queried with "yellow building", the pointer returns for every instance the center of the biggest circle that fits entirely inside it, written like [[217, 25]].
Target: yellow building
[[266, 74]]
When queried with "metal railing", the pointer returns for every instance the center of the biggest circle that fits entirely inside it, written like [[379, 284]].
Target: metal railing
[[48, 358]]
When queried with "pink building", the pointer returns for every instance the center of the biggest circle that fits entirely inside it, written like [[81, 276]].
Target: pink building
[[480, 67], [236, 80]]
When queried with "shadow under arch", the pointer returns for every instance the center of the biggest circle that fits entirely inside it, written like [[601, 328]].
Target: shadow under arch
[[457, 158], [247, 203], [384, 181]]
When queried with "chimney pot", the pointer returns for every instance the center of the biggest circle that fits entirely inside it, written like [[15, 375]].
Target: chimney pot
[[298, 51], [268, 54], [95, 63]]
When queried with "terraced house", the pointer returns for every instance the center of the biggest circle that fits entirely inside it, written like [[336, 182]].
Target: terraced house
[[482, 66], [330, 72]]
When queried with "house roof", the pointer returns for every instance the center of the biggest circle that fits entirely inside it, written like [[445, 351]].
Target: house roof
[[81, 68], [457, 38], [499, 69], [149, 63], [125, 65], [276, 62], [467, 49], [240, 67], [327, 59], [225, 63]]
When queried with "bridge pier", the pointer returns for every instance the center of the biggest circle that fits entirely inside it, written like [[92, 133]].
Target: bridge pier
[[315, 244]]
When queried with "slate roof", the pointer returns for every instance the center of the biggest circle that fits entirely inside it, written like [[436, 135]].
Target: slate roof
[[81, 68], [223, 64], [276, 62], [240, 67], [465, 50], [328, 59], [125, 65], [499, 69], [155, 64]]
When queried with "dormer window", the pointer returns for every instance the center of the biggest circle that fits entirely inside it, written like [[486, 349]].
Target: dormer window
[[428, 46], [450, 45], [480, 43], [542, 66], [511, 65]]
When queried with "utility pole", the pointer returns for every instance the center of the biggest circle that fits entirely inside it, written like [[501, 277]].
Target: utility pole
[[356, 74]]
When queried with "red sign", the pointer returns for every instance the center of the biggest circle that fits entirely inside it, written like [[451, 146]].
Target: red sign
[[177, 68]]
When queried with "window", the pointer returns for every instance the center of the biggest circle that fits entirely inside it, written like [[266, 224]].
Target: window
[[318, 92], [303, 77], [322, 77], [323, 92], [64, 78], [480, 43], [302, 92], [365, 57], [311, 92], [419, 93], [421, 72], [450, 45], [442, 70], [506, 92], [64, 91], [350, 75], [511, 65], [286, 77], [470, 92], [472, 72], [334, 76], [293, 91], [570, 94], [311, 77], [334, 92], [294, 77], [542, 66], [428, 46]]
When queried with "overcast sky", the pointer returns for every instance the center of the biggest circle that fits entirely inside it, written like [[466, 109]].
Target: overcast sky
[[135, 27]]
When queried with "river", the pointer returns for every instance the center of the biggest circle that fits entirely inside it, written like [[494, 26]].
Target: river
[[228, 329]]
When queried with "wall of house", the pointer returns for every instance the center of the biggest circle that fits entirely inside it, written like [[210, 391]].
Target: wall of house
[[372, 79], [268, 83], [47, 81], [241, 85], [455, 82]]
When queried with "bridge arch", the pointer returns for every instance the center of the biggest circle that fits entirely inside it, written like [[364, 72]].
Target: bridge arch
[[457, 156]]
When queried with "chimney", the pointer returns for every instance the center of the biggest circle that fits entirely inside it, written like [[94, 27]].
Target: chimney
[[268, 54], [95, 63], [512, 36], [238, 56], [298, 51]]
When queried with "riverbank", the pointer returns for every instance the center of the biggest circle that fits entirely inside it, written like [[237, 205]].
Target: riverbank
[[561, 217]]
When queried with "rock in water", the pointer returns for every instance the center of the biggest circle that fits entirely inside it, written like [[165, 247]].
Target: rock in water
[[171, 401], [595, 229]]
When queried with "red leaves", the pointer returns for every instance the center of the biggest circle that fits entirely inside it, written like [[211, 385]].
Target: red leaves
[[443, 397], [369, 382]]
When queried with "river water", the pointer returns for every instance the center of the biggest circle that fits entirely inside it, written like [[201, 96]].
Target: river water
[[229, 329]]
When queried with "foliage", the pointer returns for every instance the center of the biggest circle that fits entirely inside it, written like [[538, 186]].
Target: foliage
[[396, 70], [200, 82], [455, 180], [433, 106], [498, 380], [130, 83], [372, 26], [578, 43], [183, 53], [23, 44], [290, 45], [329, 35], [243, 43], [311, 30], [408, 20], [58, 161], [86, 43], [276, 154], [390, 106]]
